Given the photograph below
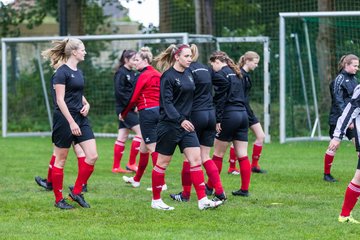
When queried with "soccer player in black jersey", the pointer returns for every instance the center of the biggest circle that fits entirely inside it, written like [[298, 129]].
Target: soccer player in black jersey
[[174, 127], [203, 118], [349, 117], [341, 90], [70, 123], [124, 83], [231, 117], [79, 152]]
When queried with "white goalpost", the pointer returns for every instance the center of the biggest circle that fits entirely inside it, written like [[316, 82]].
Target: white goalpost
[[316, 130]]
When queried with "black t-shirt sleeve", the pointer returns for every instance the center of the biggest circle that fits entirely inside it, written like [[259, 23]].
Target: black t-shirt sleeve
[[221, 89]]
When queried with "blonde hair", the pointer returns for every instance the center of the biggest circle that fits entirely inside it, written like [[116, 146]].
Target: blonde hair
[[61, 50], [194, 52], [166, 58], [248, 56], [145, 53], [224, 58], [346, 60]]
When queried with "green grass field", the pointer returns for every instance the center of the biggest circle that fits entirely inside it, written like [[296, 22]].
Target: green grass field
[[290, 202]]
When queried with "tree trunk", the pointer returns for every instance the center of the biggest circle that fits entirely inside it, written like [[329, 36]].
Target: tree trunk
[[165, 16], [325, 45], [75, 21], [203, 16]]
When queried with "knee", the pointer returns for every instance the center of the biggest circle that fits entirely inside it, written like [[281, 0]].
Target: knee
[[92, 158], [260, 139]]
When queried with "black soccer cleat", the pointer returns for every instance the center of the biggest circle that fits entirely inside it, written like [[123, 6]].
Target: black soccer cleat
[[258, 170], [242, 193], [79, 198], [179, 197], [221, 197], [42, 182], [329, 178], [62, 204], [209, 191]]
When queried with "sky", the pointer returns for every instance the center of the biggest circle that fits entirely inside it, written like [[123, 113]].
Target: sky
[[147, 12]]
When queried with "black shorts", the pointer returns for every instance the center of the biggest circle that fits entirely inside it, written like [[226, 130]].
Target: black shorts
[[149, 118], [252, 118], [205, 126], [131, 120], [350, 133], [61, 134], [170, 135], [234, 125]]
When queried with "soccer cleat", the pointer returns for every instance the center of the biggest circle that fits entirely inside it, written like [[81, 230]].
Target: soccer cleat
[[220, 197], [329, 178], [233, 171], [120, 170], [243, 193], [179, 197], [131, 181], [209, 191], [159, 204], [258, 170], [206, 203], [348, 219], [84, 188], [79, 198], [164, 188], [132, 168], [62, 204], [42, 182]]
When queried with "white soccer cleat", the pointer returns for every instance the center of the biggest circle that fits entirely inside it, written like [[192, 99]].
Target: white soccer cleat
[[131, 181], [159, 204], [164, 188], [206, 203]]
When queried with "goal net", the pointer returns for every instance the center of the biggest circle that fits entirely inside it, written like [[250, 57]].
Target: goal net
[[26, 98], [310, 46]]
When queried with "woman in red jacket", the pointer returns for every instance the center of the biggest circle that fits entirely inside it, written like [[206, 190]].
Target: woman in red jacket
[[146, 98]]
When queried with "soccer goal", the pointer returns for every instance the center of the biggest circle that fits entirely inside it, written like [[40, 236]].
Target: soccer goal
[[310, 46]]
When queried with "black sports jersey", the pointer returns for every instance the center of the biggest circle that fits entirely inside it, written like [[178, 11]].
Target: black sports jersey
[[124, 83], [351, 112], [176, 95], [341, 90], [74, 86], [203, 87], [229, 92], [247, 87]]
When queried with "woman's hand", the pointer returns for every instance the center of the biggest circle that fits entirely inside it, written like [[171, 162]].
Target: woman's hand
[[334, 144], [121, 118], [85, 110], [218, 127], [187, 125], [75, 130]]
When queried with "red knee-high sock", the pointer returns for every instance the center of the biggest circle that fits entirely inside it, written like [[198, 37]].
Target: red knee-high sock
[[214, 176], [119, 148], [81, 161], [186, 179], [135, 145], [51, 165], [143, 162], [83, 175], [158, 180], [245, 172], [154, 157], [218, 162], [57, 177], [232, 158], [328, 160], [256, 155], [351, 196], [197, 178]]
